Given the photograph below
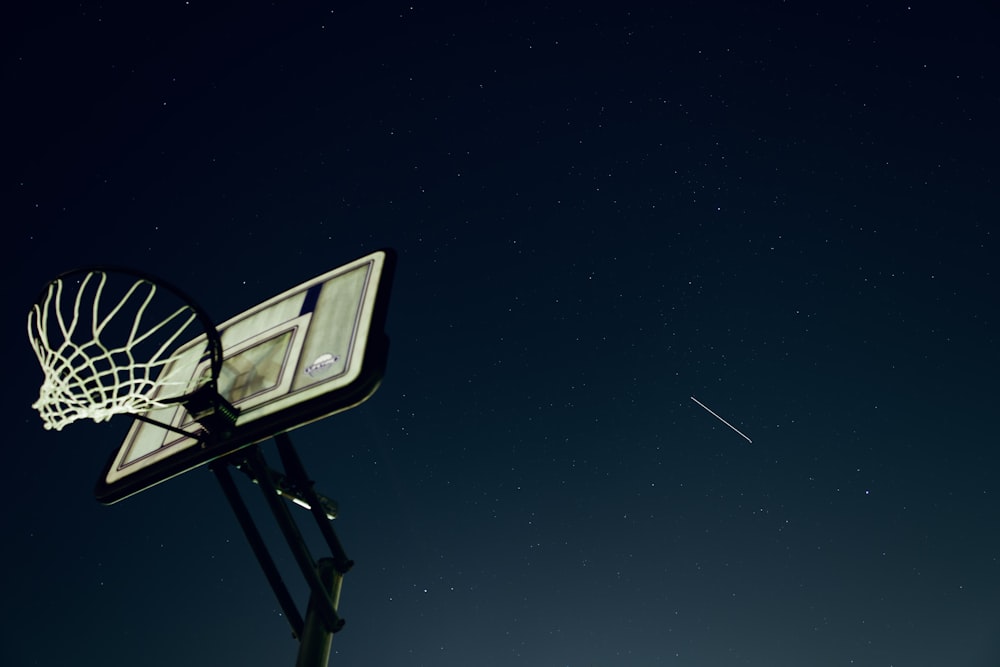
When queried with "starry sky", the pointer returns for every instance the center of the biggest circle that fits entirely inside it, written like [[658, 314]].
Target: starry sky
[[600, 211]]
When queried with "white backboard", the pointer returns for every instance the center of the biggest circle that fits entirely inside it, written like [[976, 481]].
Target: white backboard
[[314, 350]]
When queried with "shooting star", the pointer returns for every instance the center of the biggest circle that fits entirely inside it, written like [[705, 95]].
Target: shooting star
[[721, 419]]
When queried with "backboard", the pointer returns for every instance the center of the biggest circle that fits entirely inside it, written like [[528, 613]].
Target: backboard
[[312, 351]]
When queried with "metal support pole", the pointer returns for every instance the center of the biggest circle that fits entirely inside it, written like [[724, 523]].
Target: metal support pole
[[221, 470], [324, 578], [297, 473], [314, 647], [296, 543]]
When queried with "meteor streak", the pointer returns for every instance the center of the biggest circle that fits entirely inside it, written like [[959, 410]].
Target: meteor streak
[[711, 412]]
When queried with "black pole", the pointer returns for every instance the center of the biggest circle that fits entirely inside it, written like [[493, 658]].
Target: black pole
[[297, 473], [314, 647], [221, 470], [324, 605]]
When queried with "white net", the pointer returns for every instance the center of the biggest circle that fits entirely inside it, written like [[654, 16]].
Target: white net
[[105, 354]]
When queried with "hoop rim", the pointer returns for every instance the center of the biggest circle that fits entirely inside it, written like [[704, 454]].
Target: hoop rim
[[212, 337]]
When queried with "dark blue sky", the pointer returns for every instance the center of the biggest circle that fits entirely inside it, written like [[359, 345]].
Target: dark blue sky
[[788, 213]]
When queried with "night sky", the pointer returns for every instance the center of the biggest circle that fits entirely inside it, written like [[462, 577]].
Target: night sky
[[600, 211]]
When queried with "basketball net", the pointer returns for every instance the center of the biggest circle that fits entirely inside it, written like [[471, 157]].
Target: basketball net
[[98, 359]]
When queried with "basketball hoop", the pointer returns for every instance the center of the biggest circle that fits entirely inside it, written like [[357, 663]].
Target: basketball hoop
[[115, 341], [111, 348]]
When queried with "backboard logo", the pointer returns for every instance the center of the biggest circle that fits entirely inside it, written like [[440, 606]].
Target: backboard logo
[[322, 362]]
